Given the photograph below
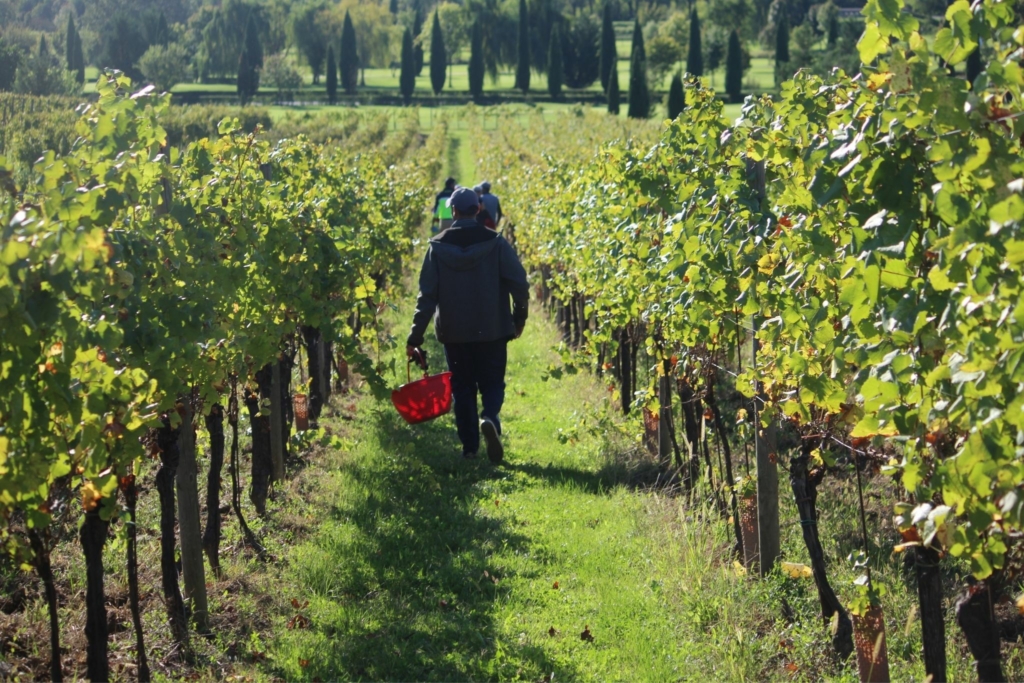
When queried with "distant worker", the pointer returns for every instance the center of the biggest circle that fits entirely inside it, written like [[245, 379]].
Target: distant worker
[[483, 216], [474, 287], [442, 212], [491, 203]]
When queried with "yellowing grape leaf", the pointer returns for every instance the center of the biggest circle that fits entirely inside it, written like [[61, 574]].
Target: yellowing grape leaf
[[795, 570], [767, 263], [91, 496]]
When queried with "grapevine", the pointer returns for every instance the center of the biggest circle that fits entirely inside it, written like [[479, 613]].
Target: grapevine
[[881, 262]]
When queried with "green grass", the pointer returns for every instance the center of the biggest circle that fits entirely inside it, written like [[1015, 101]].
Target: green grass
[[428, 567], [381, 80]]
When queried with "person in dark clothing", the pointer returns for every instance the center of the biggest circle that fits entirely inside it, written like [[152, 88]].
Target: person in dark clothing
[[490, 202], [469, 276], [442, 214], [483, 217]]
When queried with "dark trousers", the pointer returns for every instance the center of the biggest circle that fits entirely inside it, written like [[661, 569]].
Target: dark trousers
[[478, 366]]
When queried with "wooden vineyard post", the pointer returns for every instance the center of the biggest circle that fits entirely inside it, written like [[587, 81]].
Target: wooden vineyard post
[[768, 542], [665, 416], [326, 350], [748, 526], [193, 569], [93, 536], [276, 423], [869, 638], [929, 601], [41, 560], [764, 439], [976, 617]]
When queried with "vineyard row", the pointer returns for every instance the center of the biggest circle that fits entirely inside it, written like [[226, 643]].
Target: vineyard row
[[144, 287], [865, 234]]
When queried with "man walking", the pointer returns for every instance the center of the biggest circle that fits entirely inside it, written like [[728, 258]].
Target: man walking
[[468, 277], [482, 216], [441, 212], [491, 202]]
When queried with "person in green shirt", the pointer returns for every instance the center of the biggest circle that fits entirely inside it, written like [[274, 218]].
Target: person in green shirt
[[442, 213]]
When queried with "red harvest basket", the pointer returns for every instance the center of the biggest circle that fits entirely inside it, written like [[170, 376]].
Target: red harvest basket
[[425, 398]]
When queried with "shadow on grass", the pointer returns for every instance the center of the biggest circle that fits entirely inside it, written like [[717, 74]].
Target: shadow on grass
[[632, 470], [406, 566]]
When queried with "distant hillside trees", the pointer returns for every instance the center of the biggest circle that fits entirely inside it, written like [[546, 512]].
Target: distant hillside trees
[[41, 73], [639, 95], [166, 65], [73, 57], [249, 63], [581, 59], [523, 49], [332, 76], [310, 35], [476, 62], [348, 60], [407, 77], [609, 57], [555, 64], [438, 56]]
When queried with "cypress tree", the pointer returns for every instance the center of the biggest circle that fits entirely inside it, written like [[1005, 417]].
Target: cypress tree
[[676, 98], [332, 76], [476, 62], [734, 68], [782, 41], [44, 49], [609, 57], [394, 8], [161, 32], [73, 50], [69, 43], [694, 56], [407, 78], [417, 48], [555, 75], [639, 96], [638, 42], [438, 56], [833, 30], [249, 63], [613, 92], [348, 60], [523, 38]]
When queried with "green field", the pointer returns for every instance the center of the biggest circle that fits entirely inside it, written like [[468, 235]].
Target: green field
[[385, 79]]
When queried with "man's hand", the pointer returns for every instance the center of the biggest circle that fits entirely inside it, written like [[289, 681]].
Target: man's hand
[[417, 355], [519, 332]]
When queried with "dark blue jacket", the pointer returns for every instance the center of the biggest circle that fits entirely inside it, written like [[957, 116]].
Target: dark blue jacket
[[473, 286]]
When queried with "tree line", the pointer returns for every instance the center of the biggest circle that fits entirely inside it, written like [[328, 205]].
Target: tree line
[[182, 41], [280, 44]]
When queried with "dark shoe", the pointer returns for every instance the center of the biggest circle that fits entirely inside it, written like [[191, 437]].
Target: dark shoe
[[469, 455], [495, 451]]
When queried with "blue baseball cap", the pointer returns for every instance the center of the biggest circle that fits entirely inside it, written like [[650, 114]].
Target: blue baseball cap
[[464, 200]]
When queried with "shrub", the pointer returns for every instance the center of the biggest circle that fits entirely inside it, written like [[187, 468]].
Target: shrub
[[166, 65], [279, 72]]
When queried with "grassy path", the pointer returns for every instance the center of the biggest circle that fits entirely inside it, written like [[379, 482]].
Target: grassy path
[[428, 567], [420, 566]]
